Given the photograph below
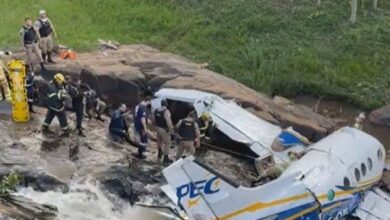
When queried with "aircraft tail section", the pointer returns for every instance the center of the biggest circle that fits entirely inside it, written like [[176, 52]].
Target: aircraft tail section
[[201, 192]]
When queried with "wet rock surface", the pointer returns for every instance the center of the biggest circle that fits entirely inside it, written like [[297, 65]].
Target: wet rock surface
[[121, 75]]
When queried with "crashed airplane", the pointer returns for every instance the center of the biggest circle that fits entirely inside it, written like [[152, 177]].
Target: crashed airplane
[[336, 177], [235, 128], [333, 178]]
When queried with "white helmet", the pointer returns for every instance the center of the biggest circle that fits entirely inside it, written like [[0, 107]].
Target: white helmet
[[41, 12]]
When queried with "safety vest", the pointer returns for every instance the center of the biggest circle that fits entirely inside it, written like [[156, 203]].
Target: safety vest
[[187, 129], [45, 29], [30, 35], [159, 116]]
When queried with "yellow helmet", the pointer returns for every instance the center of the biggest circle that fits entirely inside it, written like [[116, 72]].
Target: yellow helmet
[[59, 78], [205, 116]]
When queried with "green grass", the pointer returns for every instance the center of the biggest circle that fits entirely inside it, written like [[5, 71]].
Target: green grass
[[277, 47]]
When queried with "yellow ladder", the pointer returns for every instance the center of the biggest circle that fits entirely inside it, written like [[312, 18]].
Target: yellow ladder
[[17, 72]]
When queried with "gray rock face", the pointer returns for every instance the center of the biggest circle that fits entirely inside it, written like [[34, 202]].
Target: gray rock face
[[381, 116]]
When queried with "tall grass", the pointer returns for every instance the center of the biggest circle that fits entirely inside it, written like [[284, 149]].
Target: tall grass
[[277, 47]]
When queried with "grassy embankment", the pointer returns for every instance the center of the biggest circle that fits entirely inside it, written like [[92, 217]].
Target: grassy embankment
[[277, 47]]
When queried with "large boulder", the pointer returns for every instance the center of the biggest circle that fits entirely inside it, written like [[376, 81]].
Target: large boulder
[[381, 116], [122, 75]]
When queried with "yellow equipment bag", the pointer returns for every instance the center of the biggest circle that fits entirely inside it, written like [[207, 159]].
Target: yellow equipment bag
[[17, 72]]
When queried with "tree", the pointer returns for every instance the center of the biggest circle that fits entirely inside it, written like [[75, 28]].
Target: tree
[[354, 7], [318, 2], [375, 4]]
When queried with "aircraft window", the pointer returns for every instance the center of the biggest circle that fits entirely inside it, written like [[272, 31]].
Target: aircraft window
[[380, 154], [357, 174], [347, 183], [369, 164], [364, 169]]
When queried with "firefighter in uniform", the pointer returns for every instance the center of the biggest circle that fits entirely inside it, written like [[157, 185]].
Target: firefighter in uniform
[[47, 32], [164, 129], [56, 107], [29, 37], [4, 81], [188, 131]]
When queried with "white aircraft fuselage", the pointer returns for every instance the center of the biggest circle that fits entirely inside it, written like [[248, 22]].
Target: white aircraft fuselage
[[330, 181]]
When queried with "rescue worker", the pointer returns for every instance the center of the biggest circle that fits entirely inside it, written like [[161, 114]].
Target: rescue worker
[[29, 37], [164, 129], [140, 126], [77, 94], [118, 126], [189, 134], [4, 80], [30, 87], [205, 125], [56, 108], [47, 32], [94, 106]]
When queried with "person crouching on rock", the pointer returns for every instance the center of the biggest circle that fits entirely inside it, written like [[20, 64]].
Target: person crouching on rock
[[56, 108], [76, 92], [189, 135], [94, 106], [118, 126], [164, 129], [140, 126]]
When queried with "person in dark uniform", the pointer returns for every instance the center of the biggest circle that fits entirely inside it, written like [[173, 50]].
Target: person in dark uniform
[[189, 134], [164, 129], [140, 126], [31, 88], [118, 126], [46, 30], [29, 38], [56, 108], [77, 94]]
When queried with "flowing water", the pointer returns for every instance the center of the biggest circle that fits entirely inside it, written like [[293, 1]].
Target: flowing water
[[86, 201]]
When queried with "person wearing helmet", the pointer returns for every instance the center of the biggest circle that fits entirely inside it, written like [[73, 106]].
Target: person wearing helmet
[[205, 125], [164, 129], [29, 37], [47, 32], [56, 108]]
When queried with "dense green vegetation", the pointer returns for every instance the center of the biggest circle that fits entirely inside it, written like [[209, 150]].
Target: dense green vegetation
[[275, 46], [8, 183]]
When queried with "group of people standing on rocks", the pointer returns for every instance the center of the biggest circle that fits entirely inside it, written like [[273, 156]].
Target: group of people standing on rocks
[[63, 94], [187, 132], [37, 39], [69, 94]]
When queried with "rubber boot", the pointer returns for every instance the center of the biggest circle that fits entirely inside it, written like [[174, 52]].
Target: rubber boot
[[44, 57], [49, 59], [81, 133], [43, 66], [167, 160], [46, 130], [159, 154], [65, 133]]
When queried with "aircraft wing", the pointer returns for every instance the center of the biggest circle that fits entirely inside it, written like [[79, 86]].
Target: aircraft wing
[[375, 206]]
